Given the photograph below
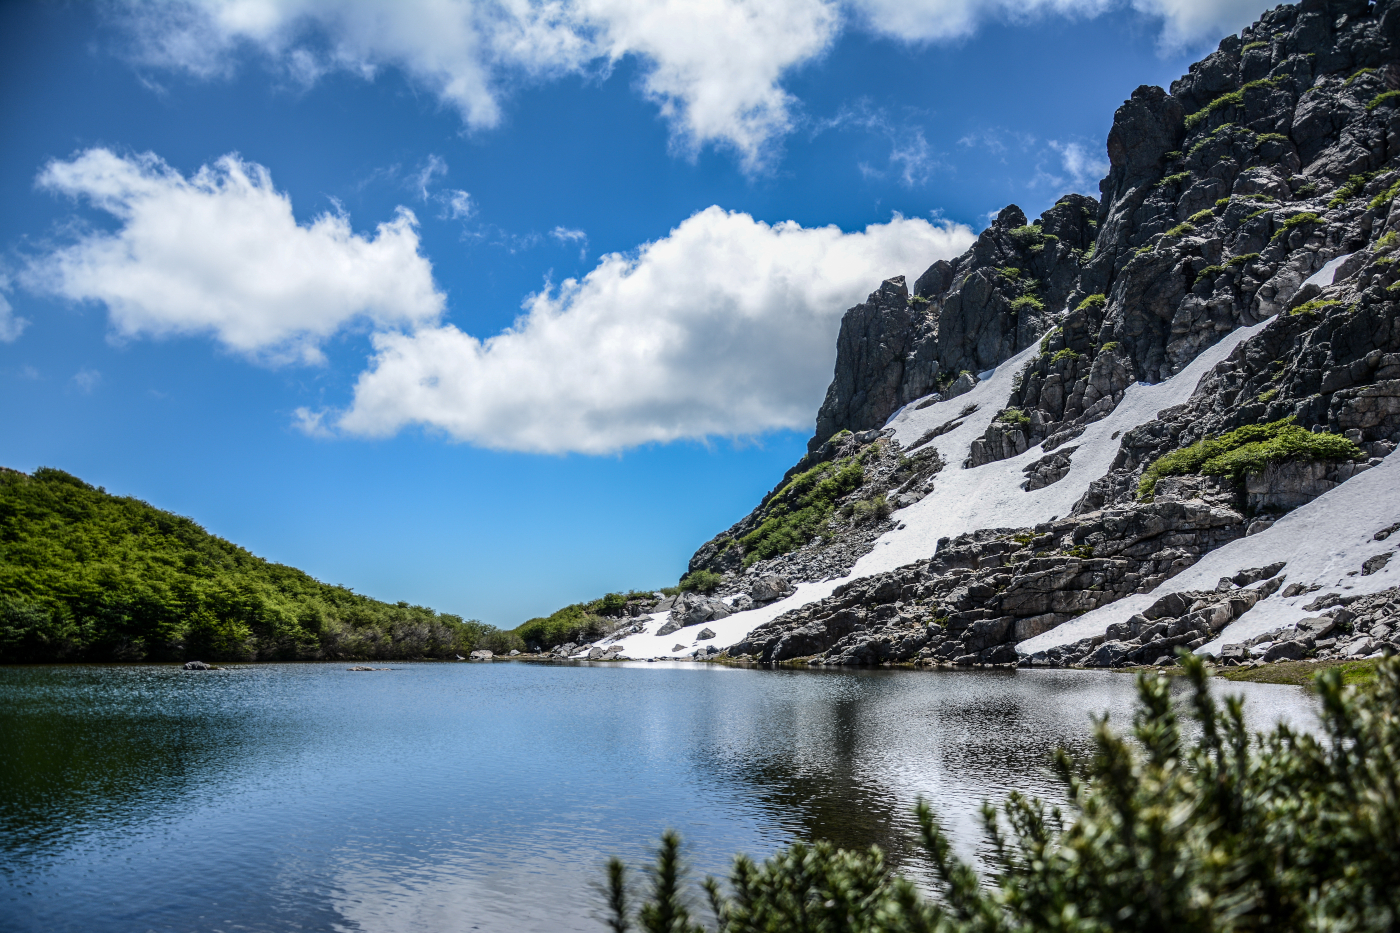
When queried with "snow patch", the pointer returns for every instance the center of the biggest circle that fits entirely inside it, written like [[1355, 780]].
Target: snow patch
[[1325, 276], [1323, 543]]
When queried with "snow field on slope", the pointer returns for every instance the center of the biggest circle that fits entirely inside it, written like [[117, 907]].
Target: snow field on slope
[[988, 496], [1323, 543]]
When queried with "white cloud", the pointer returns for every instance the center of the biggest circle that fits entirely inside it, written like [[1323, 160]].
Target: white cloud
[[714, 67], [1191, 23], [457, 204], [725, 327], [86, 380], [566, 235], [11, 324], [911, 157], [1079, 169], [1184, 23], [220, 252]]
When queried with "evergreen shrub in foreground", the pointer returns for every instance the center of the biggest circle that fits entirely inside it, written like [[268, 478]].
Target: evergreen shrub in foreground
[[1278, 832]]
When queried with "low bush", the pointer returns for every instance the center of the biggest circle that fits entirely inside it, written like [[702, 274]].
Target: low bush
[[1350, 188], [1297, 220], [1201, 217], [1014, 417], [1384, 198], [1241, 259], [799, 511], [1233, 99], [1359, 73], [1176, 179], [1207, 828], [701, 581], [1314, 306], [1094, 302], [1065, 354], [1027, 303], [1247, 450], [876, 508], [1384, 99], [1030, 236]]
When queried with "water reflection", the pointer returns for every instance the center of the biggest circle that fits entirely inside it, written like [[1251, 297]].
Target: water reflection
[[485, 796]]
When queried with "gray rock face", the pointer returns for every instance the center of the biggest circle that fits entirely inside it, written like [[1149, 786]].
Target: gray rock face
[[983, 592], [874, 339], [1286, 486]]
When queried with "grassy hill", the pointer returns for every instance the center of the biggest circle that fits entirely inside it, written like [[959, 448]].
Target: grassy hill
[[89, 576]]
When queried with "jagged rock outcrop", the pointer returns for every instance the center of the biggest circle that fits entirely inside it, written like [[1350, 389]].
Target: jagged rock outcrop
[[964, 316]]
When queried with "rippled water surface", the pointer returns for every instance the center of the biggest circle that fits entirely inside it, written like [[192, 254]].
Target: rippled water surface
[[439, 797]]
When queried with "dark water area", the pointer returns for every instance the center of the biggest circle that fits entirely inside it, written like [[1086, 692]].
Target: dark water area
[[446, 797]]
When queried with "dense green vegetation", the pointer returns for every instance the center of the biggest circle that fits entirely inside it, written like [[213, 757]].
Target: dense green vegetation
[[1226, 833], [89, 576], [801, 509], [1247, 450], [1232, 99]]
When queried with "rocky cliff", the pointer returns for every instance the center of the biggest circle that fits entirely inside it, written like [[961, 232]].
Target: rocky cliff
[[1190, 365]]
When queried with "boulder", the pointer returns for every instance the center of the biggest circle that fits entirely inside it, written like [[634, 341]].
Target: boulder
[[678, 647], [197, 666], [768, 588], [1286, 651], [705, 634], [481, 655]]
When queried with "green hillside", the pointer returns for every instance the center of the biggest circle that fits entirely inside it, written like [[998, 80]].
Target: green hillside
[[89, 576]]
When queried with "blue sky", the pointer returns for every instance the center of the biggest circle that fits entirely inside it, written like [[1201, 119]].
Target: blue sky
[[497, 307]]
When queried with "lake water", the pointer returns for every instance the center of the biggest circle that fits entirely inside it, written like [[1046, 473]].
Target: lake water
[[445, 797]]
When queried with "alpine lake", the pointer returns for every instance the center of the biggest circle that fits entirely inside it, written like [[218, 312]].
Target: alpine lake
[[488, 796]]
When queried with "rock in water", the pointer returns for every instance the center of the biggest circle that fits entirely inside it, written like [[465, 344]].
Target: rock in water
[[197, 666]]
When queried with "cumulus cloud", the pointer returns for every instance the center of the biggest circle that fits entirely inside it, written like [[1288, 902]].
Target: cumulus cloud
[[713, 68], [651, 347], [1190, 23], [1184, 23], [221, 253]]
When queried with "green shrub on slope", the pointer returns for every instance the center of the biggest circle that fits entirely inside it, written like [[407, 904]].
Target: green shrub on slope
[[1247, 450], [799, 511], [1224, 832]]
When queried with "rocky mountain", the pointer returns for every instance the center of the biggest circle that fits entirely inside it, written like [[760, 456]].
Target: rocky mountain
[[1034, 455]]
